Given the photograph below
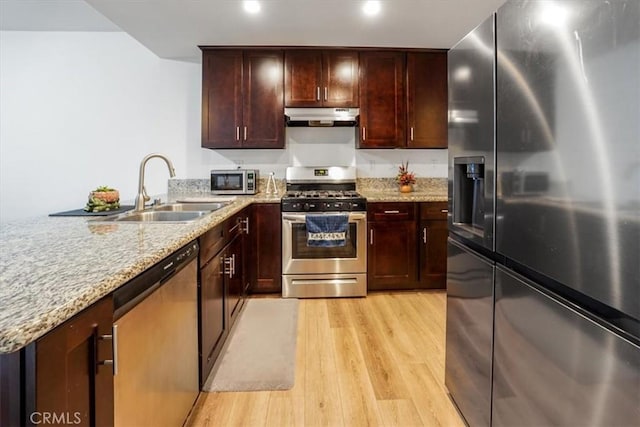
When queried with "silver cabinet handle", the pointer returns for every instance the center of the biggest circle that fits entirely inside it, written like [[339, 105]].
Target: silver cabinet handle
[[411, 132], [245, 222], [424, 235], [227, 262], [371, 236], [364, 134], [326, 93], [114, 349], [444, 210], [245, 133], [237, 133], [233, 265], [317, 93], [392, 212]]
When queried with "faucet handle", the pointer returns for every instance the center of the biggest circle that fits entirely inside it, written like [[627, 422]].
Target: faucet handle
[[144, 194]]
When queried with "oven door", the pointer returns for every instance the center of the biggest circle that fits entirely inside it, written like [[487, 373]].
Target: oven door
[[299, 258]]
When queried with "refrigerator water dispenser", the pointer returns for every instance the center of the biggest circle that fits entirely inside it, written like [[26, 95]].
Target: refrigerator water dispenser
[[468, 194]]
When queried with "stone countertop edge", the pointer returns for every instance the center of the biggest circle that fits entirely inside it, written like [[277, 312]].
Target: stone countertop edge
[[53, 268], [396, 196]]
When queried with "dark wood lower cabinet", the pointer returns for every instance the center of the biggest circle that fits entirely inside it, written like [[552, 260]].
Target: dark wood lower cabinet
[[212, 321], [433, 245], [391, 253], [433, 254], [10, 385], [222, 285], [66, 380], [407, 251], [266, 238], [392, 256], [235, 276]]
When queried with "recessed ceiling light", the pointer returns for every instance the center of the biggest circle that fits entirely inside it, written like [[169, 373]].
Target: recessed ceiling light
[[251, 6], [371, 7]]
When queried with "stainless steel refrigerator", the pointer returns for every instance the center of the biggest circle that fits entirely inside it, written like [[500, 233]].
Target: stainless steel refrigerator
[[543, 305]]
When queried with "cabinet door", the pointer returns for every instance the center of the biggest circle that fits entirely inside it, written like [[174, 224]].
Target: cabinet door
[[10, 388], [212, 313], [340, 78], [236, 278], [433, 254], [222, 99], [392, 256], [303, 78], [266, 235], [427, 99], [69, 380], [263, 103], [432, 237], [382, 100]]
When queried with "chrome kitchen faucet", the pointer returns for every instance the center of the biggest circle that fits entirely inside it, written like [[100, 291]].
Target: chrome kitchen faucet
[[142, 192]]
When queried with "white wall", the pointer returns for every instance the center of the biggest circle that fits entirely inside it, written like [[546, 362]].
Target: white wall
[[322, 147], [81, 109]]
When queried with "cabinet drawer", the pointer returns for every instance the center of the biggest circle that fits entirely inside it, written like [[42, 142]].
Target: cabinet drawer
[[400, 211], [433, 210], [211, 242], [215, 239]]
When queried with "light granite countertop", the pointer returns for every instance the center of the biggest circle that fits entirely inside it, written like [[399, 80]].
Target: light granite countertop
[[396, 196], [51, 268], [386, 190]]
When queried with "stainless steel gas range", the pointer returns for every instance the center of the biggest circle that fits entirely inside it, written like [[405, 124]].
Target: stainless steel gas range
[[324, 226]]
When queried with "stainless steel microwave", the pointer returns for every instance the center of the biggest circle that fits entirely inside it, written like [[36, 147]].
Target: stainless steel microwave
[[235, 181]]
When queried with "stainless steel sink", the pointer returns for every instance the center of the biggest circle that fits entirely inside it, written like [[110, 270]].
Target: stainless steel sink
[[156, 216], [189, 207], [173, 212]]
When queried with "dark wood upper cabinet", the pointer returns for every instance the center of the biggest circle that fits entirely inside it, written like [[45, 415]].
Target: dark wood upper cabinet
[[303, 78], [242, 98], [263, 111], [427, 99], [340, 71], [221, 98], [382, 99], [321, 78]]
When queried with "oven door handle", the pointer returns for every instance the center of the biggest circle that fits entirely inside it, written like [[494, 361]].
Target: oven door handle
[[353, 216]]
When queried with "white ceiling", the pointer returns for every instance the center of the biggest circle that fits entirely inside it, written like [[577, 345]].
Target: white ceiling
[[175, 28]]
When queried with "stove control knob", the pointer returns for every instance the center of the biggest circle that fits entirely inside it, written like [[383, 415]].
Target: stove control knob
[[306, 206]]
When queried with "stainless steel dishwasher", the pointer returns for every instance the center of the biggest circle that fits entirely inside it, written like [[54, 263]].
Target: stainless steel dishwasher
[[156, 343]]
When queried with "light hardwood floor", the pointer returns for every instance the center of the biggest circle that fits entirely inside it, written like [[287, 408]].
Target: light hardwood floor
[[375, 361]]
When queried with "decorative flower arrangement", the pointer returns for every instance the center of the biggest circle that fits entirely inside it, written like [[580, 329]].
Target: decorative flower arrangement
[[405, 177]]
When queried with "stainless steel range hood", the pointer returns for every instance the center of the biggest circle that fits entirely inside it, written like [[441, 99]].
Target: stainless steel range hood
[[321, 117]]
